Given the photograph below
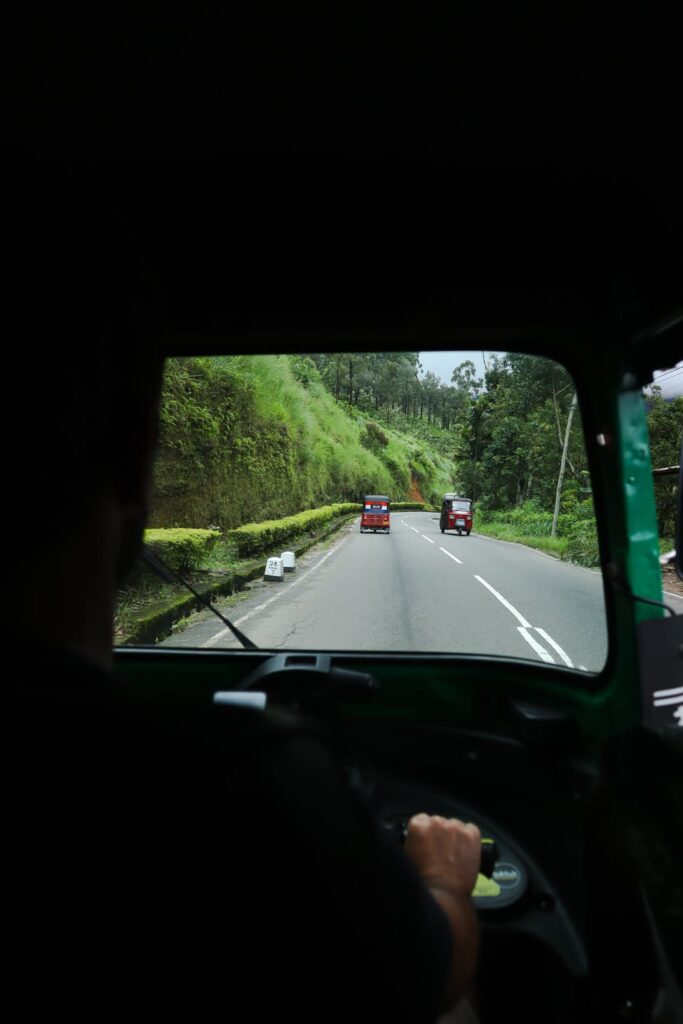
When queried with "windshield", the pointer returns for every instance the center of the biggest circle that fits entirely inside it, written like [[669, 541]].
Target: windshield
[[267, 463]]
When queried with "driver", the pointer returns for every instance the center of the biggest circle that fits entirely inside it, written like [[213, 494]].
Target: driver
[[162, 855]]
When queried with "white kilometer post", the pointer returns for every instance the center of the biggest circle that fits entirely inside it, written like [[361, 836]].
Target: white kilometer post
[[289, 561], [274, 570]]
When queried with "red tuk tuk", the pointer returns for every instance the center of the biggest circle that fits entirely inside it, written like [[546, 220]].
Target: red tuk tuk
[[456, 514], [375, 514]]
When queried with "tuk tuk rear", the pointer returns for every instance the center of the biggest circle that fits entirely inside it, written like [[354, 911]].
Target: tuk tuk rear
[[375, 514], [456, 514]]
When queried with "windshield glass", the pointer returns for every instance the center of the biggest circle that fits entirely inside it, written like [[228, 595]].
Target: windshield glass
[[267, 462]]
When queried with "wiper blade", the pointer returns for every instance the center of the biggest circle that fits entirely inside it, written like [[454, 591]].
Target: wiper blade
[[171, 576]]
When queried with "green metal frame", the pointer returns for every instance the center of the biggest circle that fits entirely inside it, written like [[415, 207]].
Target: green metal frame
[[472, 692]]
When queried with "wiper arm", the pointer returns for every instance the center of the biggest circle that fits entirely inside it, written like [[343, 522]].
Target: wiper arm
[[171, 576]]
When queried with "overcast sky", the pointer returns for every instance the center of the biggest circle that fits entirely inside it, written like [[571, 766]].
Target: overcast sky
[[670, 381], [443, 364]]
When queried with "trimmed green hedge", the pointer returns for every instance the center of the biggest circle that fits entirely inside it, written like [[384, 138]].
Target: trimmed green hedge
[[182, 549], [259, 538], [412, 506], [156, 618]]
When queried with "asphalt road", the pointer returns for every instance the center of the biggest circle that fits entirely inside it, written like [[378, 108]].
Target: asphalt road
[[418, 590]]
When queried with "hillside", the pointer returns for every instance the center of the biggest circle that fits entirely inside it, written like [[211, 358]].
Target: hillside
[[248, 438]]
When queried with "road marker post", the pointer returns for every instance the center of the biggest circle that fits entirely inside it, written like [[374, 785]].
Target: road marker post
[[274, 572]]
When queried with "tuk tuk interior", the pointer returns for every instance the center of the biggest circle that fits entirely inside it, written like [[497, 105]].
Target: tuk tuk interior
[[553, 767], [558, 767]]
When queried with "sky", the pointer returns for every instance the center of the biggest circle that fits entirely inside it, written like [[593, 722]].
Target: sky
[[670, 381], [443, 364]]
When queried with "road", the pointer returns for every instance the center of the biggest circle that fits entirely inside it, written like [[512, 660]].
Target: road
[[418, 590]]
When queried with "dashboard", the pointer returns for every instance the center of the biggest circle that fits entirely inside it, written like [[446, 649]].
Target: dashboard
[[533, 953], [528, 803], [518, 897]]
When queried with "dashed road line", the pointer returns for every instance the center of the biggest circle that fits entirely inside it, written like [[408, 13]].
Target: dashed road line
[[533, 643], [549, 640], [414, 530], [427, 538], [525, 628], [451, 556], [510, 608]]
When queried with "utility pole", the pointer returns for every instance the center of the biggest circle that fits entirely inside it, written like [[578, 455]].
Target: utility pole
[[565, 449]]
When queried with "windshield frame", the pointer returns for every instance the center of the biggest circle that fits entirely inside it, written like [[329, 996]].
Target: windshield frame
[[599, 375]]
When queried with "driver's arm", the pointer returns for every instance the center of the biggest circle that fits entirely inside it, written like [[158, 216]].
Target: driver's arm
[[393, 934], [447, 853]]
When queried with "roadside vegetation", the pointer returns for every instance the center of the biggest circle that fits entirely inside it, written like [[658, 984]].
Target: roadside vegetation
[[248, 439]]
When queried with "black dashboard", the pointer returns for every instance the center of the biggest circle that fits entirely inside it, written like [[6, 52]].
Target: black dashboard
[[519, 897], [528, 801], [531, 909]]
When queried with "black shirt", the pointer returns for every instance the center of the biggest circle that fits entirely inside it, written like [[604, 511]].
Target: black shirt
[[192, 860]]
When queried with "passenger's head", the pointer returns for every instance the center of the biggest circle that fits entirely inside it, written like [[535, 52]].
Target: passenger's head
[[81, 363]]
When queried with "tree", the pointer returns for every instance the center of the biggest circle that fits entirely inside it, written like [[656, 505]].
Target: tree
[[560, 479], [665, 426]]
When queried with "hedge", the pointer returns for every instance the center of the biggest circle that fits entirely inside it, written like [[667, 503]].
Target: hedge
[[412, 506], [260, 538], [182, 549]]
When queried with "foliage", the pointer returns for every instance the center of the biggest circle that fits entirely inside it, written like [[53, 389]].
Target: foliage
[[373, 437], [263, 538], [245, 439], [411, 506], [181, 549], [665, 424], [254, 439], [531, 524]]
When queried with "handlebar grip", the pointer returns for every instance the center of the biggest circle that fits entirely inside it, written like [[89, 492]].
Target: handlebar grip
[[489, 856], [489, 847]]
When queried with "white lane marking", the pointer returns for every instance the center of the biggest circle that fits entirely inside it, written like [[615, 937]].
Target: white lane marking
[[414, 530], [427, 538], [510, 608], [669, 693], [523, 629], [669, 700], [556, 647], [540, 651], [224, 632], [669, 594], [451, 556]]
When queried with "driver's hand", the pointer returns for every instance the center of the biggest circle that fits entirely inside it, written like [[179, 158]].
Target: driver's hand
[[445, 851]]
